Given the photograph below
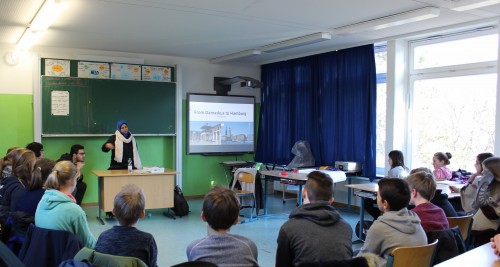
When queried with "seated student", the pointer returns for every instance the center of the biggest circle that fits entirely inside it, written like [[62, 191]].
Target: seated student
[[440, 199], [57, 210], [37, 148], [12, 187], [34, 191], [221, 210], [397, 226], [398, 170], [440, 160], [423, 187], [6, 164], [315, 231], [77, 156], [125, 239]]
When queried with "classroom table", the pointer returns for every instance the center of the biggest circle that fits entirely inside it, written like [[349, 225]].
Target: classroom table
[[367, 189], [231, 166], [158, 188], [481, 256], [299, 178]]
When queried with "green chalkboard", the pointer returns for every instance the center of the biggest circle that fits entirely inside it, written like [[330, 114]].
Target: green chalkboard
[[72, 106]]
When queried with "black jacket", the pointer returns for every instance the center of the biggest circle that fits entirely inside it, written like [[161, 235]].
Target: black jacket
[[128, 153], [11, 189], [450, 244], [315, 232]]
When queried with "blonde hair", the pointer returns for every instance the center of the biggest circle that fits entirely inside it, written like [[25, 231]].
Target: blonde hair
[[424, 183], [129, 204], [63, 172]]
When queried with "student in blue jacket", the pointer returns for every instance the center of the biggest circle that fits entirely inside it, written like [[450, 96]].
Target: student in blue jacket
[[57, 210]]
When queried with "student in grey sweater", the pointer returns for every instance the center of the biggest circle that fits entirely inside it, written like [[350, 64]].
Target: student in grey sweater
[[221, 210], [315, 231], [397, 226]]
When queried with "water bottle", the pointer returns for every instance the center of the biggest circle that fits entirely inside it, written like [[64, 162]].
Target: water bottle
[[129, 165]]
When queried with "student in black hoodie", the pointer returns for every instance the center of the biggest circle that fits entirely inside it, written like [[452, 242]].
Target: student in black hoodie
[[77, 156], [315, 231]]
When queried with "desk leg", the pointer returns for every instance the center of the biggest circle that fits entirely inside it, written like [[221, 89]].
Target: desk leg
[[349, 193], [361, 219], [300, 195], [263, 177], [99, 198]]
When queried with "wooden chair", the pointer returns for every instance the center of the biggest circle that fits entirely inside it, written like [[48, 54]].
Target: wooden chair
[[464, 223], [246, 178], [420, 256]]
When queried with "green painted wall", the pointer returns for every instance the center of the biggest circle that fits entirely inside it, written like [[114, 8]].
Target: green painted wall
[[17, 121], [199, 173]]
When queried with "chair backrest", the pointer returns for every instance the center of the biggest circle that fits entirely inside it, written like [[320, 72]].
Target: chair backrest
[[419, 256], [46, 247], [464, 223], [101, 259], [246, 178]]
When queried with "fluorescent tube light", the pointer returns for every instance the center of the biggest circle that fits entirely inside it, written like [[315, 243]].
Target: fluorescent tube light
[[296, 42], [242, 54], [390, 21], [47, 14], [464, 5], [27, 40]]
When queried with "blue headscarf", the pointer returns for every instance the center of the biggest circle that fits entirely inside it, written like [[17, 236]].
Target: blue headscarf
[[119, 126]]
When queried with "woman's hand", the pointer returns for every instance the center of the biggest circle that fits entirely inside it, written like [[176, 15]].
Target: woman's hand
[[473, 177], [110, 146], [454, 189], [495, 244]]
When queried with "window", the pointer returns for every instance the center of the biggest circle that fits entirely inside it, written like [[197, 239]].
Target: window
[[381, 70], [453, 99]]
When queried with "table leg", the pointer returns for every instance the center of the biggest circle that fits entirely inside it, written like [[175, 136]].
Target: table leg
[[300, 195], [263, 177], [99, 198], [361, 218], [349, 193]]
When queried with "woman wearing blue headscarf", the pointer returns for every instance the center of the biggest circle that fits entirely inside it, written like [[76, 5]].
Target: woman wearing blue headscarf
[[123, 147]]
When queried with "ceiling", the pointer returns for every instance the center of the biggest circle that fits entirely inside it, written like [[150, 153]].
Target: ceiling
[[210, 29]]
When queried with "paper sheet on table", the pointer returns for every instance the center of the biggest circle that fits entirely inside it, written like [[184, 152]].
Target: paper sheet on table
[[337, 176]]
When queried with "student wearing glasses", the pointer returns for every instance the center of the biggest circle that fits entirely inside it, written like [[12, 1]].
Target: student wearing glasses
[[77, 156]]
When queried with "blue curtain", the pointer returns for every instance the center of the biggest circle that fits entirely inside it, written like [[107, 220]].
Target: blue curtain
[[327, 99]]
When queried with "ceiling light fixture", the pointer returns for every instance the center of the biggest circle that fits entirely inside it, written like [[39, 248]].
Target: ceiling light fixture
[[296, 42], [463, 5], [390, 21], [46, 15], [242, 54]]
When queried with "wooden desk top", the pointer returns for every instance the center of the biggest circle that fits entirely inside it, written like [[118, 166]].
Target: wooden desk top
[[101, 173], [480, 256], [373, 187]]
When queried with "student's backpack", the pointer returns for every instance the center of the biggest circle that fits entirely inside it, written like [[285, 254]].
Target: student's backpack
[[181, 207]]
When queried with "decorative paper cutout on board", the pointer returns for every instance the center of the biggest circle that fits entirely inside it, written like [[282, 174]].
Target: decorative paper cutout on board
[[57, 67], [125, 71], [96, 70], [156, 73]]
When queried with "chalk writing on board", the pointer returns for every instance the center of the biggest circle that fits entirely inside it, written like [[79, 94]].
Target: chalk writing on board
[[59, 103]]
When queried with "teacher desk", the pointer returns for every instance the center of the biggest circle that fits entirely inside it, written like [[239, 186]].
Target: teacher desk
[[158, 188]]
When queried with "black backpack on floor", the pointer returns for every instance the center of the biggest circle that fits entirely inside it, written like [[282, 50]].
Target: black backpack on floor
[[181, 207]]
